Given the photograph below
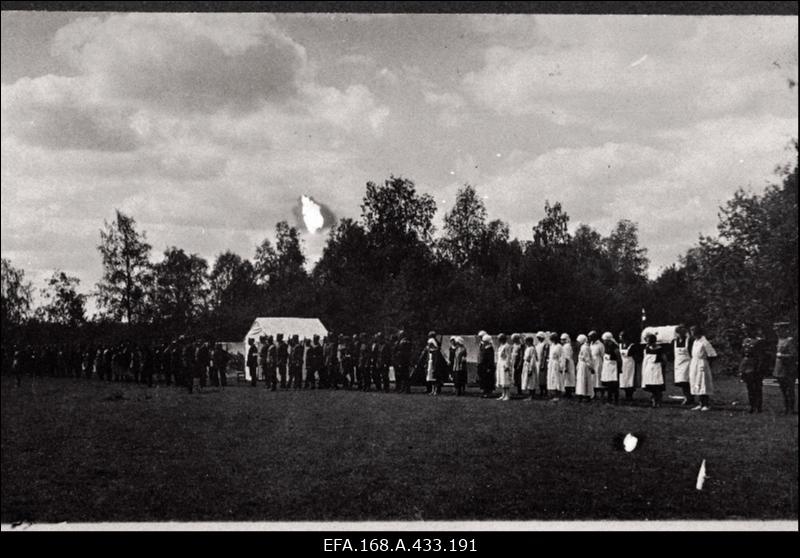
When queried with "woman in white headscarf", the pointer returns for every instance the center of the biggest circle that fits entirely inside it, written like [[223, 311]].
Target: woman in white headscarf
[[555, 372], [568, 365], [529, 367], [503, 373], [584, 380]]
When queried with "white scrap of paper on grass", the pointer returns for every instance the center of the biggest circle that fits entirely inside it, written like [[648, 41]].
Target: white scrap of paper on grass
[[629, 442], [701, 476]]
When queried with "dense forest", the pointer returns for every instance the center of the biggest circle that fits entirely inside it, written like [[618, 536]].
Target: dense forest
[[391, 269]]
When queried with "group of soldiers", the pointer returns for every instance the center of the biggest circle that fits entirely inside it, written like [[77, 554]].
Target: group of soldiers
[[184, 362], [337, 361]]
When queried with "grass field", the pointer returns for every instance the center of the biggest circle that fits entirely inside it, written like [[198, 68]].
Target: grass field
[[78, 450]]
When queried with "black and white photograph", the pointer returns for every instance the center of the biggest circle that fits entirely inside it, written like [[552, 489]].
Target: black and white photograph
[[400, 270]]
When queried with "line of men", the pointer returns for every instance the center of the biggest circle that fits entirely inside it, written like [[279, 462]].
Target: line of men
[[183, 362], [337, 361]]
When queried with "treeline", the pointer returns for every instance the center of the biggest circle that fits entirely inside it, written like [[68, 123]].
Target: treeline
[[388, 270]]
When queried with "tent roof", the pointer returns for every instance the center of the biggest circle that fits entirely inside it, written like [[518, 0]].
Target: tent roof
[[303, 327]]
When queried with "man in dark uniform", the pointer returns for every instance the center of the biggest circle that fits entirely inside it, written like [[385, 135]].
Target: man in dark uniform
[[296, 363], [402, 361], [219, 365], [330, 363], [751, 367], [270, 380], [314, 363], [346, 366], [364, 357], [376, 362], [189, 365], [281, 359], [252, 361], [786, 365], [262, 359]]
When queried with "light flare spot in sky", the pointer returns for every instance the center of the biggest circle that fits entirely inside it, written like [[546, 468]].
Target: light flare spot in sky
[[312, 214]]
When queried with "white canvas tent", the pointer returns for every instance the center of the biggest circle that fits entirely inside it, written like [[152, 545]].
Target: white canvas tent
[[302, 327]]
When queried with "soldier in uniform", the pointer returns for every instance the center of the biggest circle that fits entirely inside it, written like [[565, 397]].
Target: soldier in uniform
[[252, 361], [751, 367], [330, 363], [364, 363], [219, 365], [345, 357], [296, 363], [271, 380], [281, 359], [263, 348], [188, 365], [381, 357], [786, 365], [314, 363]]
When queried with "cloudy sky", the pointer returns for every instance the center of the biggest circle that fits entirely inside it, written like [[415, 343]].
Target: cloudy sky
[[207, 128]]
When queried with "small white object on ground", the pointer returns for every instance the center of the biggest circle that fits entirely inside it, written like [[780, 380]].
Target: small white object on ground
[[701, 476], [629, 442]]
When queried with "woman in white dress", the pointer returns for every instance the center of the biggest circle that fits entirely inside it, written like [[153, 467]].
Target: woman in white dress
[[682, 349], [700, 380], [584, 381], [503, 370], [653, 365], [611, 368], [529, 367], [567, 365], [597, 350], [555, 373], [629, 353]]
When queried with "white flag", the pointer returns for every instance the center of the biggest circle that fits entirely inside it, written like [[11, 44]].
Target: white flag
[[701, 476]]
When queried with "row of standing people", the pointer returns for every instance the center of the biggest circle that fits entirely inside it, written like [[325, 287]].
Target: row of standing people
[[183, 362], [337, 361], [547, 363]]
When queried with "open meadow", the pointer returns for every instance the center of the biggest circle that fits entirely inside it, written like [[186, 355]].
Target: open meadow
[[79, 450]]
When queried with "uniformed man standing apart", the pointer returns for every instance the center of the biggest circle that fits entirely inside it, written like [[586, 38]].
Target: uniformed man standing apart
[[750, 367], [786, 365], [252, 361]]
